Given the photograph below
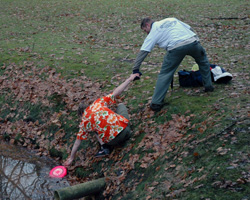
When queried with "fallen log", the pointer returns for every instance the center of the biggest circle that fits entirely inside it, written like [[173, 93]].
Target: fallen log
[[80, 190]]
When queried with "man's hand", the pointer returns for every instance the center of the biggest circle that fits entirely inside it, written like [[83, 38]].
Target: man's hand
[[124, 85], [139, 74], [134, 77], [68, 162]]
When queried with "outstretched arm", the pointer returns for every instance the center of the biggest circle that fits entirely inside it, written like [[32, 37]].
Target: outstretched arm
[[73, 153], [139, 59], [124, 85]]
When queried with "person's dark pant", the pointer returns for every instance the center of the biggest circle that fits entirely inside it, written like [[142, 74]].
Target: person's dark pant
[[126, 133], [171, 62]]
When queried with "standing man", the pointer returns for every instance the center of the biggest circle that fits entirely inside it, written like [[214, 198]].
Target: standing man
[[111, 128], [178, 39]]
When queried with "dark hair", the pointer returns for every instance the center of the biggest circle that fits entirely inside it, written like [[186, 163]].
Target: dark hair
[[145, 21], [82, 106]]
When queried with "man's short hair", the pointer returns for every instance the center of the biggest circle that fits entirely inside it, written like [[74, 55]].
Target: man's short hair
[[81, 108], [145, 21]]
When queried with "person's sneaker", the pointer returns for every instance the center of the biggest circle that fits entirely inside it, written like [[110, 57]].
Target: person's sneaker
[[156, 107], [104, 151], [209, 89]]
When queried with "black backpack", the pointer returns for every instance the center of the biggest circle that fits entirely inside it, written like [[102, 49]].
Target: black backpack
[[190, 78]]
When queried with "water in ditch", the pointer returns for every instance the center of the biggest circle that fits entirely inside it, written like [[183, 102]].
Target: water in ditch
[[25, 176]]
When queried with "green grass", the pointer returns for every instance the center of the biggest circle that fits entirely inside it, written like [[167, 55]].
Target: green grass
[[100, 39]]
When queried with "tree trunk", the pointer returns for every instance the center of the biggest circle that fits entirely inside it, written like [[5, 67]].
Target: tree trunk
[[80, 190]]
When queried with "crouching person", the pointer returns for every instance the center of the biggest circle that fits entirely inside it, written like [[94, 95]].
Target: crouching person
[[111, 128]]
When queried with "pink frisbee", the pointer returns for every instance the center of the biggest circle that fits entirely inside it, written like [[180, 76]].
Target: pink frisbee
[[58, 172]]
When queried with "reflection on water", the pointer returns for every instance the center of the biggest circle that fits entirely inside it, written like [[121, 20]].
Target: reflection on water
[[24, 176]]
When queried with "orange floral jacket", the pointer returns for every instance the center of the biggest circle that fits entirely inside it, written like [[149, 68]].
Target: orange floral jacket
[[100, 119]]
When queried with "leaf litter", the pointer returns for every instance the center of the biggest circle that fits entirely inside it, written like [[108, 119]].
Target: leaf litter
[[29, 83]]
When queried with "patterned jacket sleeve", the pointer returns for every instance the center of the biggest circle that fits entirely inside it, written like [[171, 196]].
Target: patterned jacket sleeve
[[107, 100]]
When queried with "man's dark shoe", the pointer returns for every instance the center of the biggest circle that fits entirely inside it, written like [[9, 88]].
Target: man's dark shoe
[[104, 151], [209, 89], [156, 107]]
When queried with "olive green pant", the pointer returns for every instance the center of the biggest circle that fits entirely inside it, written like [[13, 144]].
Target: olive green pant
[[126, 133], [170, 64]]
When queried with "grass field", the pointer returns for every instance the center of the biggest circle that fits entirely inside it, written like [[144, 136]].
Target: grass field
[[56, 52]]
